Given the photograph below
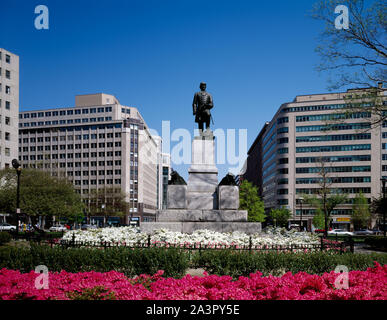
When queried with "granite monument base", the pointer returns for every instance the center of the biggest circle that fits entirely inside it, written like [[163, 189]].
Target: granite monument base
[[190, 227]]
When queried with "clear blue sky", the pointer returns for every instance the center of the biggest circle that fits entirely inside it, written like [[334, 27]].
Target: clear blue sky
[[152, 54]]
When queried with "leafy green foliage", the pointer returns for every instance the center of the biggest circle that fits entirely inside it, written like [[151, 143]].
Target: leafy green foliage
[[280, 216], [377, 242], [5, 237], [249, 200], [40, 194], [129, 261], [361, 215], [235, 264], [96, 293]]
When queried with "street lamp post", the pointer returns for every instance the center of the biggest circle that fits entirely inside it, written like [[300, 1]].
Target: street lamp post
[[384, 180], [16, 165], [301, 199]]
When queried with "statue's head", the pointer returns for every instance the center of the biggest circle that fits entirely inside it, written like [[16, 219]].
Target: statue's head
[[203, 86]]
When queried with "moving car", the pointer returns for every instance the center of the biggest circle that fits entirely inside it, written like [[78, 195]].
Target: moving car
[[7, 227], [58, 228], [363, 232], [88, 226], [340, 232]]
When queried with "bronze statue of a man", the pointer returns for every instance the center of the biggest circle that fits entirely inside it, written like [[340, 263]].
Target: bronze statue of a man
[[201, 105]]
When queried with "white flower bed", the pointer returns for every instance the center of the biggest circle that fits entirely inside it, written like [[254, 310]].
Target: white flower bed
[[131, 236]]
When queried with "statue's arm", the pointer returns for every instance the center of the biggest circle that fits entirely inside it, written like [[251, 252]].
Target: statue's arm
[[210, 103], [194, 104]]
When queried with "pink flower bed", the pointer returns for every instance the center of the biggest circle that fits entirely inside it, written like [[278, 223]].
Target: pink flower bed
[[363, 285]]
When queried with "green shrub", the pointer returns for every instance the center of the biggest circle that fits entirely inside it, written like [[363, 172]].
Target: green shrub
[[131, 262], [235, 264], [5, 237], [377, 242]]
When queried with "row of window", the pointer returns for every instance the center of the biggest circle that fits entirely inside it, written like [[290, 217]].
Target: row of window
[[71, 129], [269, 133], [282, 130], [84, 164], [282, 140], [334, 180], [92, 136], [68, 112], [315, 108], [333, 148], [268, 160], [71, 155], [335, 127], [333, 116], [349, 158], [283, 120], [270, 150], [72, 146], [335, 169], [311, 212], [268, 169], [69, 121], [94, 182], [335, 190], [336, 137], [282, 150]]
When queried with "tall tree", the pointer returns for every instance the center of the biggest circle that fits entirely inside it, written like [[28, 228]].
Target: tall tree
[[355, 55], [280, 216], [361, 215], [357, 52], [40, 194], [326, 199], [249, 200], [107, 201]]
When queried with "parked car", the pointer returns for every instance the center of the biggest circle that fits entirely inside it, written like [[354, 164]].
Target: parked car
[[376, 231], [363, 232], [340, 232], [88, 226], [7, 227], [58, 228]]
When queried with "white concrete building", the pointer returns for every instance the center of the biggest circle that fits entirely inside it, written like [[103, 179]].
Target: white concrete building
[[97, 144], [9, 107]]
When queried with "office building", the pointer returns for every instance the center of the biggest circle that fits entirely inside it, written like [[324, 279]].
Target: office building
[[313, 131], [9, 107], [97, 144]]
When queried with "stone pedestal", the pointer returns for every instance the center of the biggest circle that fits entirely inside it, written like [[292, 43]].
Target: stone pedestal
[[201, 204], [228, 197], [203, 174], [177, 197]]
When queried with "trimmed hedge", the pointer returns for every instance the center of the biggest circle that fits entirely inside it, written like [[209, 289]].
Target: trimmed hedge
[[131, 262], [235, 264], [5, 237], [175, 261], [377, 242]]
